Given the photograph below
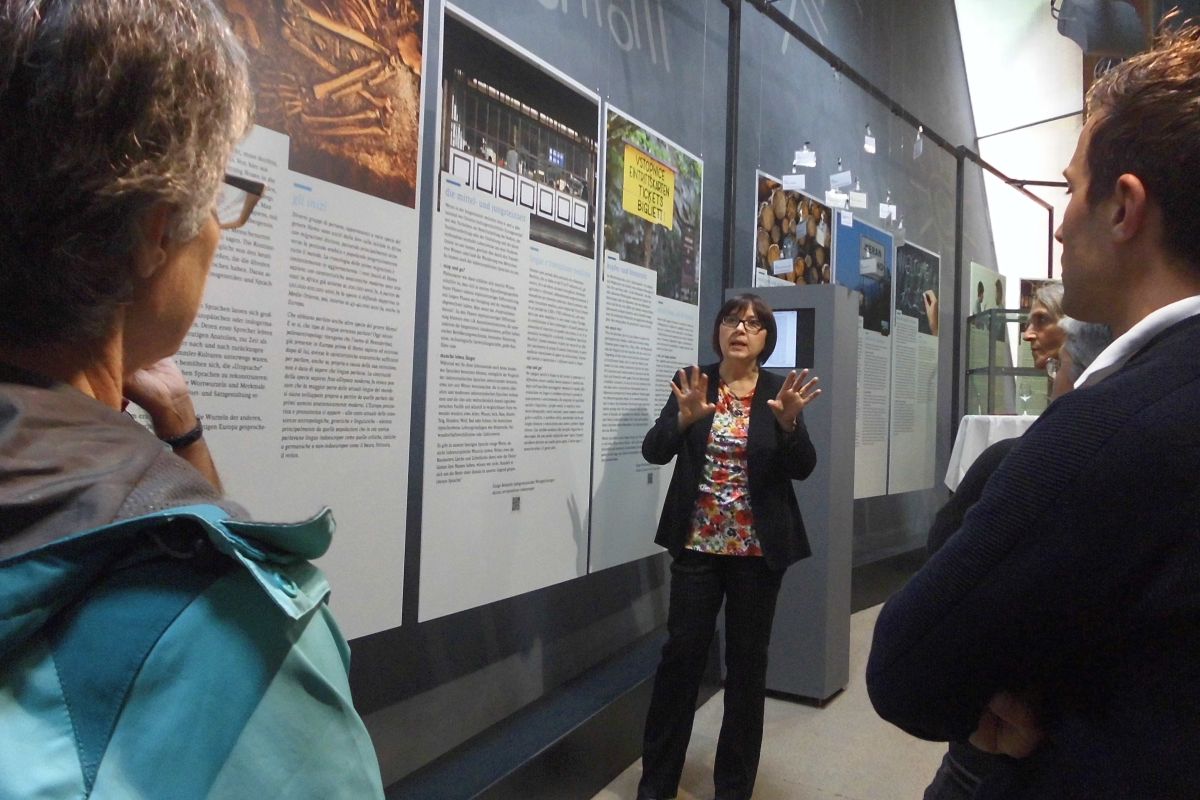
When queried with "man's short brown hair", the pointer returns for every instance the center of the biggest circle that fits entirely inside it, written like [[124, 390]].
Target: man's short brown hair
[[1147, 123]]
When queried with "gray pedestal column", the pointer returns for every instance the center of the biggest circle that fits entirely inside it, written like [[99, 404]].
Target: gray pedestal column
[[810, 643]]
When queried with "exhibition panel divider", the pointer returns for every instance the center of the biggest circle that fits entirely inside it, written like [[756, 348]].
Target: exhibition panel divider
[[810, 641]]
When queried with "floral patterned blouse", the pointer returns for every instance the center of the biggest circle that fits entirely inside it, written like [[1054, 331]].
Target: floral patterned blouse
[[722, 522]]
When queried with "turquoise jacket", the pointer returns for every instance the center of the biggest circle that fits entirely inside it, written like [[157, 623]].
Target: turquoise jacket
[[167, 650]]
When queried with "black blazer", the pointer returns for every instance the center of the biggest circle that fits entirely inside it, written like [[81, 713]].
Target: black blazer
[[774, 459]]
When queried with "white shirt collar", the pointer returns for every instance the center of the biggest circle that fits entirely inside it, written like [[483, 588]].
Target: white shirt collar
[[1113, 357]]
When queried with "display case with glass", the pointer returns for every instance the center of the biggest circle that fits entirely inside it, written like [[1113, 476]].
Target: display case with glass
[[1001, 376]]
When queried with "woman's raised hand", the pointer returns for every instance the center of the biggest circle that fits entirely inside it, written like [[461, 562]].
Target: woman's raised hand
[[691, 391], [794, 395]]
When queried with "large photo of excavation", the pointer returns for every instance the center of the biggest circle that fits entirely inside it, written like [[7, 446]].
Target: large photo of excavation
[[342, 79]]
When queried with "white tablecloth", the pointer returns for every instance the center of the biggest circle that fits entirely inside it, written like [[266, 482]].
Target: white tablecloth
[[977, 432]]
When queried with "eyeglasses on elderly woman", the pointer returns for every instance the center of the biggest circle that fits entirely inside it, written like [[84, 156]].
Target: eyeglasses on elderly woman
[[236, 201]]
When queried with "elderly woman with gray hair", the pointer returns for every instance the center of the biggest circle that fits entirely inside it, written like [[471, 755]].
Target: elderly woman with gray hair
[[1042, 331], [965, 763], [153, 643]]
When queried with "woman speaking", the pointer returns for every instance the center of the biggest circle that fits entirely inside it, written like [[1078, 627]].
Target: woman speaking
[[732, 525]]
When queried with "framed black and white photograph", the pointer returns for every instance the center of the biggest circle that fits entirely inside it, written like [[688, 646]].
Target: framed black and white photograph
[[545, 205], [506, 185], [485, 176], [461, 166], [527, 194]]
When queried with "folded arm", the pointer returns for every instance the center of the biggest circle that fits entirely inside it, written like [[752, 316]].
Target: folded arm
[[1033, 579]]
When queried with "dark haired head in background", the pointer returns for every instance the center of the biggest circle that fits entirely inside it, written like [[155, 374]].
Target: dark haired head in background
[[736, 306]]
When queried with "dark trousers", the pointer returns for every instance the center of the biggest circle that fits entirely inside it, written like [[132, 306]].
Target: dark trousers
[[963, 770], [699, 583], [952, 781]]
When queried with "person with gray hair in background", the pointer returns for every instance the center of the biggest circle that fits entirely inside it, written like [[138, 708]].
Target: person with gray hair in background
[[964, 765], [1042, 331], [153, 642]]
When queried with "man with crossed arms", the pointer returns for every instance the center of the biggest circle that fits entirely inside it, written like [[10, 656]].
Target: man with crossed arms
[[1061, 623]]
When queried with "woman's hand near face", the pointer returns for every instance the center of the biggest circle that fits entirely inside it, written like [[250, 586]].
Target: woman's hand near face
[[793, 396], [162, 392], [691, 392]]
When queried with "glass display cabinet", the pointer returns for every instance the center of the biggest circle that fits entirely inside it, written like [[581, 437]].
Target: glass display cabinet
[[1001, 377]]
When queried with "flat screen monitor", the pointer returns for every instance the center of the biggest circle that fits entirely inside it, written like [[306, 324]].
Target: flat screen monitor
[[794, 340], [784, 355]]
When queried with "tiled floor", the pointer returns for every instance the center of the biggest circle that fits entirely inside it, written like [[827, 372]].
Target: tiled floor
[[841, 751]]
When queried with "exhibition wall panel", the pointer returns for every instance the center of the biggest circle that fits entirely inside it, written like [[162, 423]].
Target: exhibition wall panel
[[506, 496], [648, 326], [300, 360], [499, 606]]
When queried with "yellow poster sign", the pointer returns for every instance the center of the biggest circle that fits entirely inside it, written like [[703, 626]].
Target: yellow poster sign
[[649, 190]]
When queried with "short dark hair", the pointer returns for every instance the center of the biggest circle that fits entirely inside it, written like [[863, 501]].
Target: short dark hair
[[106, 110], [1147, 124], [735, 305]]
